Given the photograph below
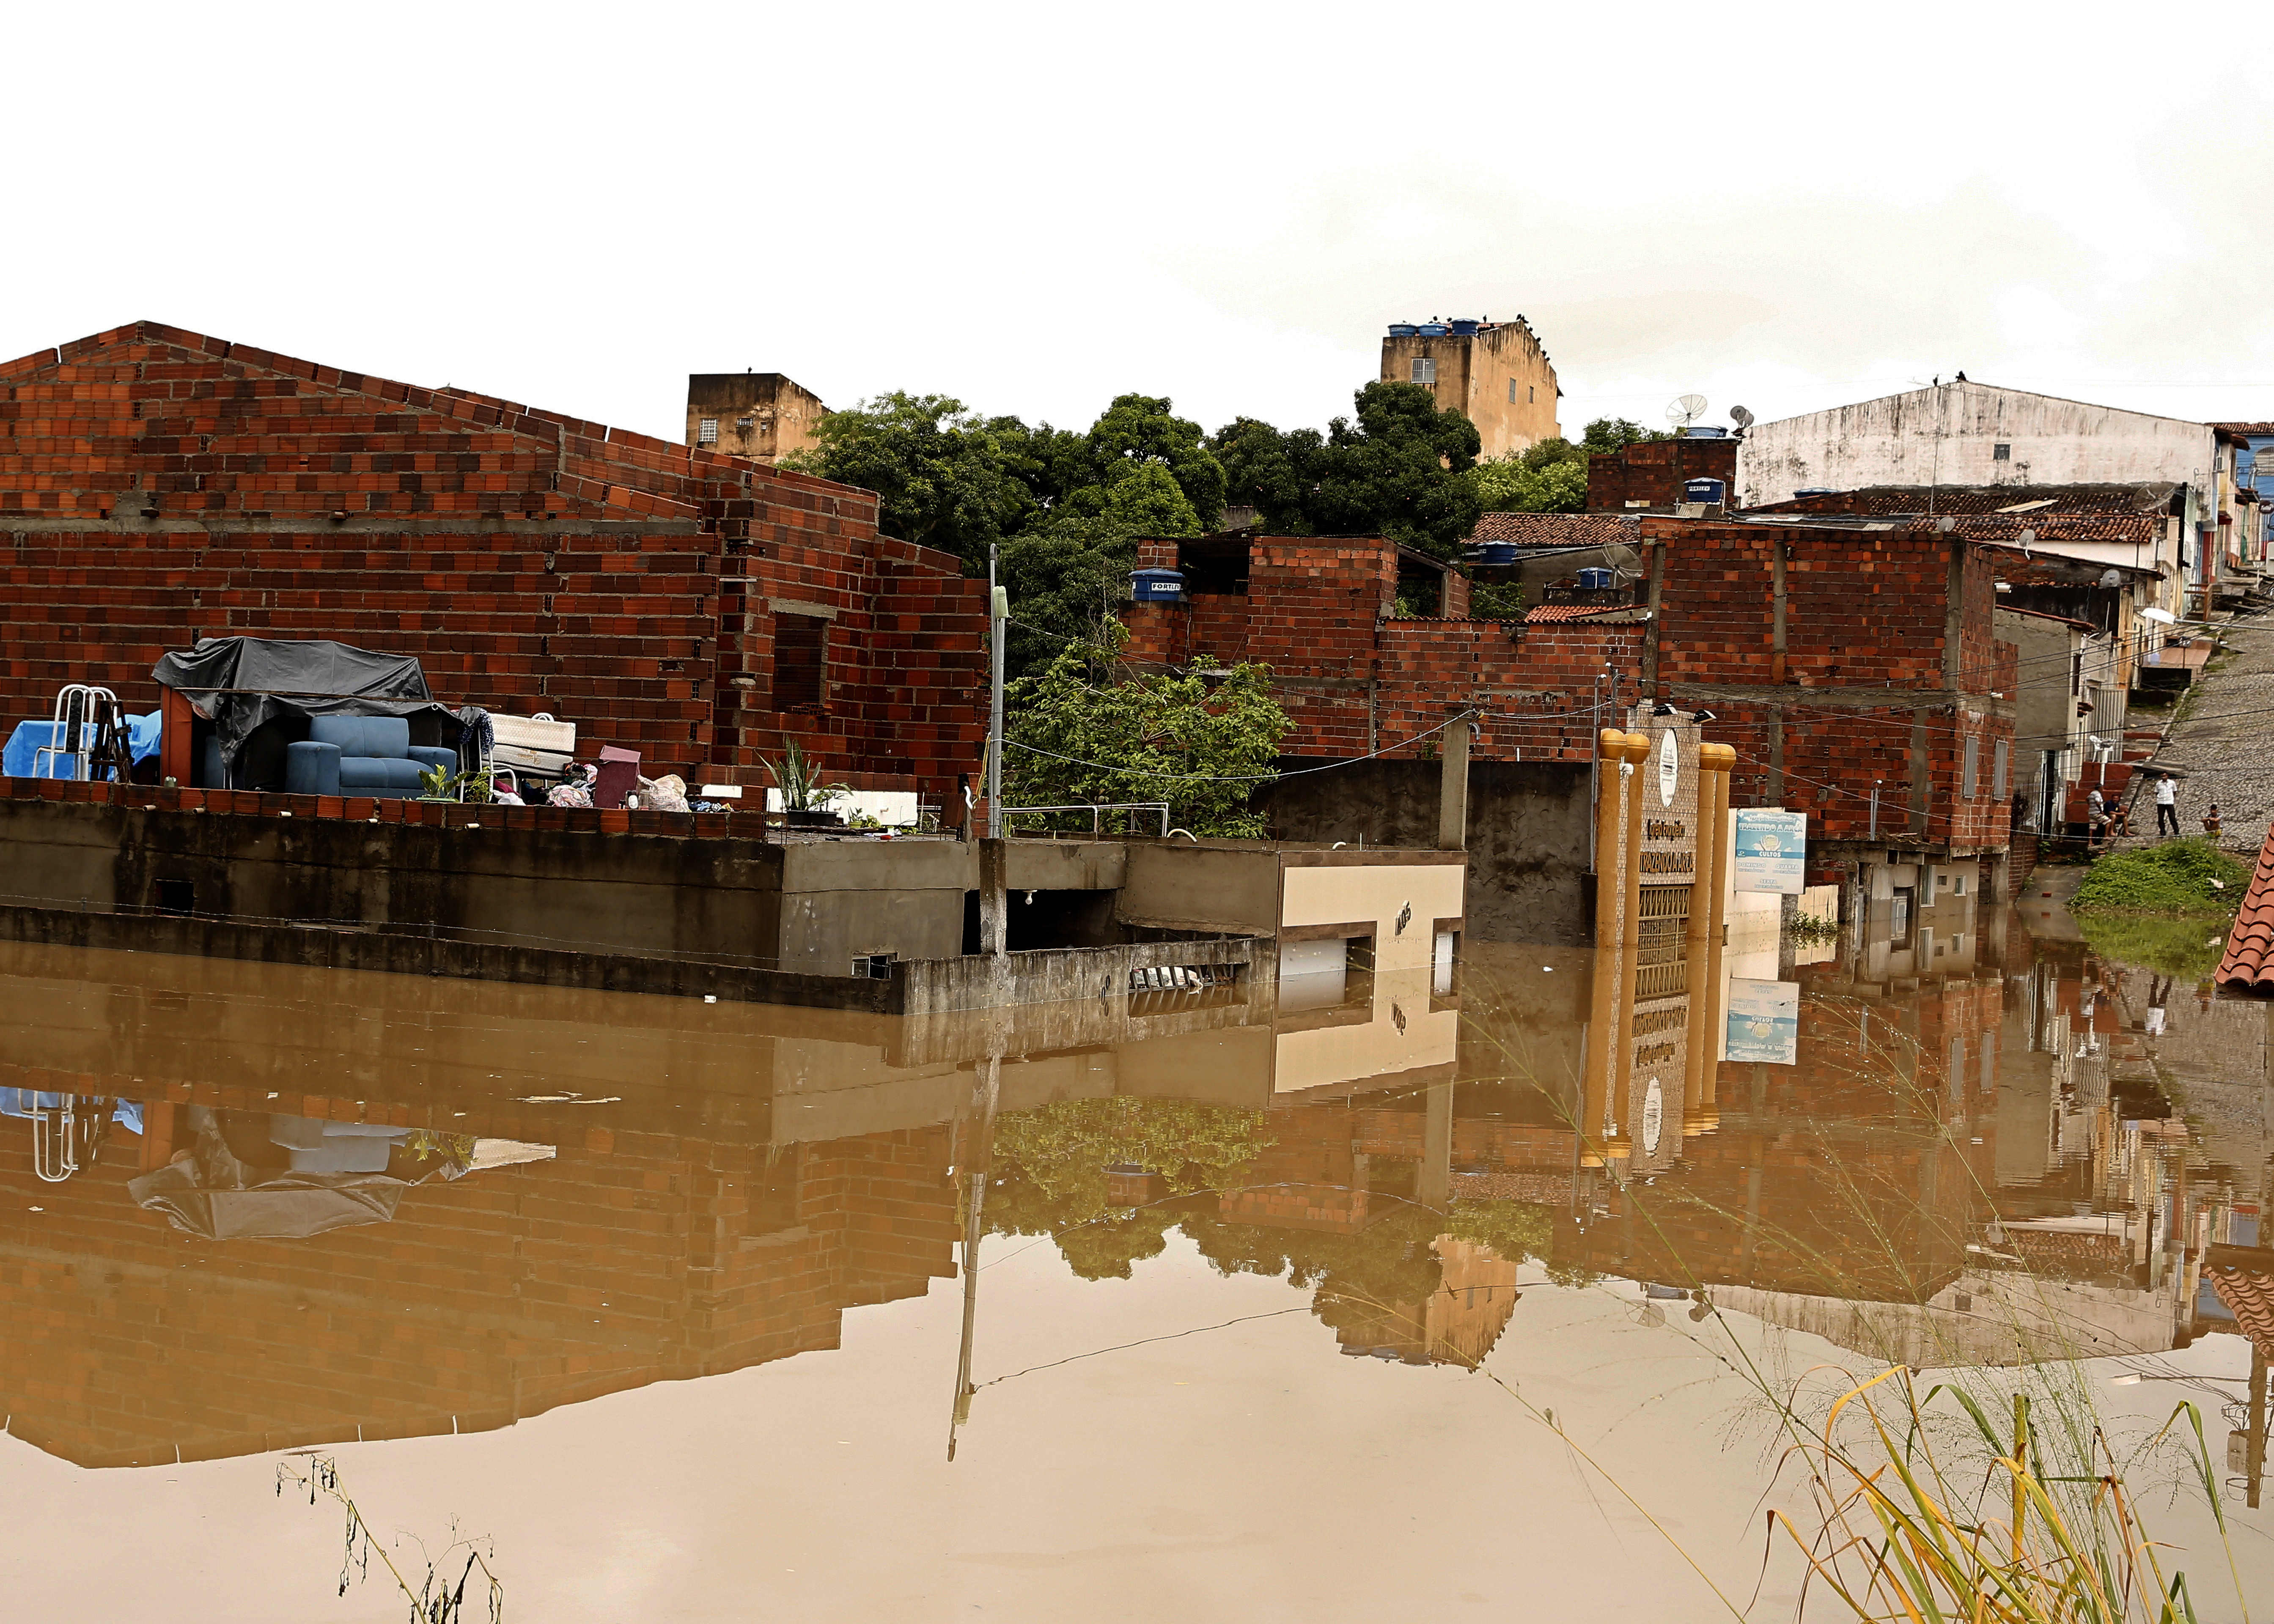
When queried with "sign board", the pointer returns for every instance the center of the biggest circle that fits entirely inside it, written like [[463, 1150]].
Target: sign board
[[1666, 782], [1764, 1022], [1772, 851]]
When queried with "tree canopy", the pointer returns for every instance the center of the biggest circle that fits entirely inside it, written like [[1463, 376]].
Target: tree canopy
[[1400, 469], [1199, 743]]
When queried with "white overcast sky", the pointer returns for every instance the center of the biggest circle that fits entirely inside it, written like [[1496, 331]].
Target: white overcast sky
[[1035, 208]]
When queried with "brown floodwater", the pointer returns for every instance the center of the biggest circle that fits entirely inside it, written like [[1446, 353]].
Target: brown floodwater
[[1377, 1304]]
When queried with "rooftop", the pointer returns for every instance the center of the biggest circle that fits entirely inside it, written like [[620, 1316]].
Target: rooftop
[[1557, 529], [2249, 960]]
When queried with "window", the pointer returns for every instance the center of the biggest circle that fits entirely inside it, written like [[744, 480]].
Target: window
[[2001, 452], [1958, 885], [1973, 767], [1425, 369], [2001, 771], [800, 662], [1531, 393], [707, 434], [1512, 392]]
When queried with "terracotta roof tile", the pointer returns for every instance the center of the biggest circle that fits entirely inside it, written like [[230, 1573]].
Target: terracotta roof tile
[[2248, 1294], [2246, 428], [1557, 529], [2249, 960], [1549, 612]]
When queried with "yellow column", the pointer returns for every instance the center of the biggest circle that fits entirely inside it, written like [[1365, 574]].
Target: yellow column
[[1619, 1143], [1610, 887]]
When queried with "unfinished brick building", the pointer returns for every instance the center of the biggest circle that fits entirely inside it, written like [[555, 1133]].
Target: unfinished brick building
[[158, 486], [1848, 661]]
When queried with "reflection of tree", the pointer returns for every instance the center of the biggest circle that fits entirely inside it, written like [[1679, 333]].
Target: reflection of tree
[[1050, 1174], [1389, 1261]]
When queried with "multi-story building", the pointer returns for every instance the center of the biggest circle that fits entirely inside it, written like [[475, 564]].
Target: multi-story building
[[761, 416], [1495, 373]]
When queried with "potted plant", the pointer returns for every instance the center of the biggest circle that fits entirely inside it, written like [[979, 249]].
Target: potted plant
[[805, 798]]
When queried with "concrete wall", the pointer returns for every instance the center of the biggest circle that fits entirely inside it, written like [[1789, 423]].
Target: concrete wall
[[1473, 375], [1527, 835], [1212, 886], [1948, 435]]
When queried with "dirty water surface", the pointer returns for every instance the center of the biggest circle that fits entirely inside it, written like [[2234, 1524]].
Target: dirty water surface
[[1391, 1302]]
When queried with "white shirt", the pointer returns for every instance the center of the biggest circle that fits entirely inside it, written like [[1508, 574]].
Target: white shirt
[[2167, 793]]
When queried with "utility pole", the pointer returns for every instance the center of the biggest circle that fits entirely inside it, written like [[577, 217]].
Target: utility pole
[[999, 612]]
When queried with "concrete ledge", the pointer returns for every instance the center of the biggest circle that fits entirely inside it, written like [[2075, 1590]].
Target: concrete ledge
[[1056, 975], [403, 953]]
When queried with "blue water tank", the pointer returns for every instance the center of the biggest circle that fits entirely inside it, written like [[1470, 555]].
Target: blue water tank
[[1597, 580], [1465, 327], [1496, 553], [1705, 431], [1403, 329], [1431, 329], [1703, 490], [1158, 586], [1815, 490]]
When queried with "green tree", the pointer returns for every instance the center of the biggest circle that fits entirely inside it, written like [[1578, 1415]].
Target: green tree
[[1400, 469], [1550, 477], [944, 477], [1610, 433], [1269, 471], [1140, 431], [1064, 580], [1199, 743]]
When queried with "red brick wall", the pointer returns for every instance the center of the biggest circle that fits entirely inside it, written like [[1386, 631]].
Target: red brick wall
[[1653, 472], [1864, 608], [532, 561]]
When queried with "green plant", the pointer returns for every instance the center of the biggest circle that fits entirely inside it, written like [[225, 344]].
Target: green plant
[[1199, 742], [1811, 930], [439, 783], [799, 779], [2188, 948], [1903, 1532]]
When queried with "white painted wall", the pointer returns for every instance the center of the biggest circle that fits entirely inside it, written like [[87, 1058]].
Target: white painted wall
[[1946, 435]]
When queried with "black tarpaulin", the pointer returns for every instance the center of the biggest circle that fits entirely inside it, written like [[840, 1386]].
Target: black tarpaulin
[[237, 683]]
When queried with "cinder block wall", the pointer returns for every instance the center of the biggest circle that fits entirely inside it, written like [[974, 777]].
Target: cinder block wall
[[157, 485]]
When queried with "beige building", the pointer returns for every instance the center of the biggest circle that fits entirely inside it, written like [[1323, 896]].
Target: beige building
[[1495, 372], [762, 415]]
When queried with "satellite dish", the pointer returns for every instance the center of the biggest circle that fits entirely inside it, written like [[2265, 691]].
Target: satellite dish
[[1685, 410], [1739, 416]]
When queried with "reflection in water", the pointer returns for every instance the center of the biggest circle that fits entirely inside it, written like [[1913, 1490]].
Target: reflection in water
[[245, 1209]]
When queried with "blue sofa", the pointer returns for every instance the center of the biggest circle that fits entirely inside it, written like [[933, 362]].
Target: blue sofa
[[361, 755]]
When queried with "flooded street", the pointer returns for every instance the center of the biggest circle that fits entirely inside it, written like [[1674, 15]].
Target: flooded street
[[1375, 1303]]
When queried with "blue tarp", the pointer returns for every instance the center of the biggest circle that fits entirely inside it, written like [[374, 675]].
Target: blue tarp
[[15, 760]]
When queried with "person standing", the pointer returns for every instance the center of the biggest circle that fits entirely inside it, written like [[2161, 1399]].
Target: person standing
[[2168, 806]]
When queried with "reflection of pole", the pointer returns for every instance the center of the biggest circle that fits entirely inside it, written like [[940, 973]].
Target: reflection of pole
[[976, 1154], [1704, 946], [1433, 1188], [2254, 1458]]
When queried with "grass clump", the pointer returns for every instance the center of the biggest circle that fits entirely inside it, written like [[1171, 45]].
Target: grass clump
[[2175, 878], [2187, 949]]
